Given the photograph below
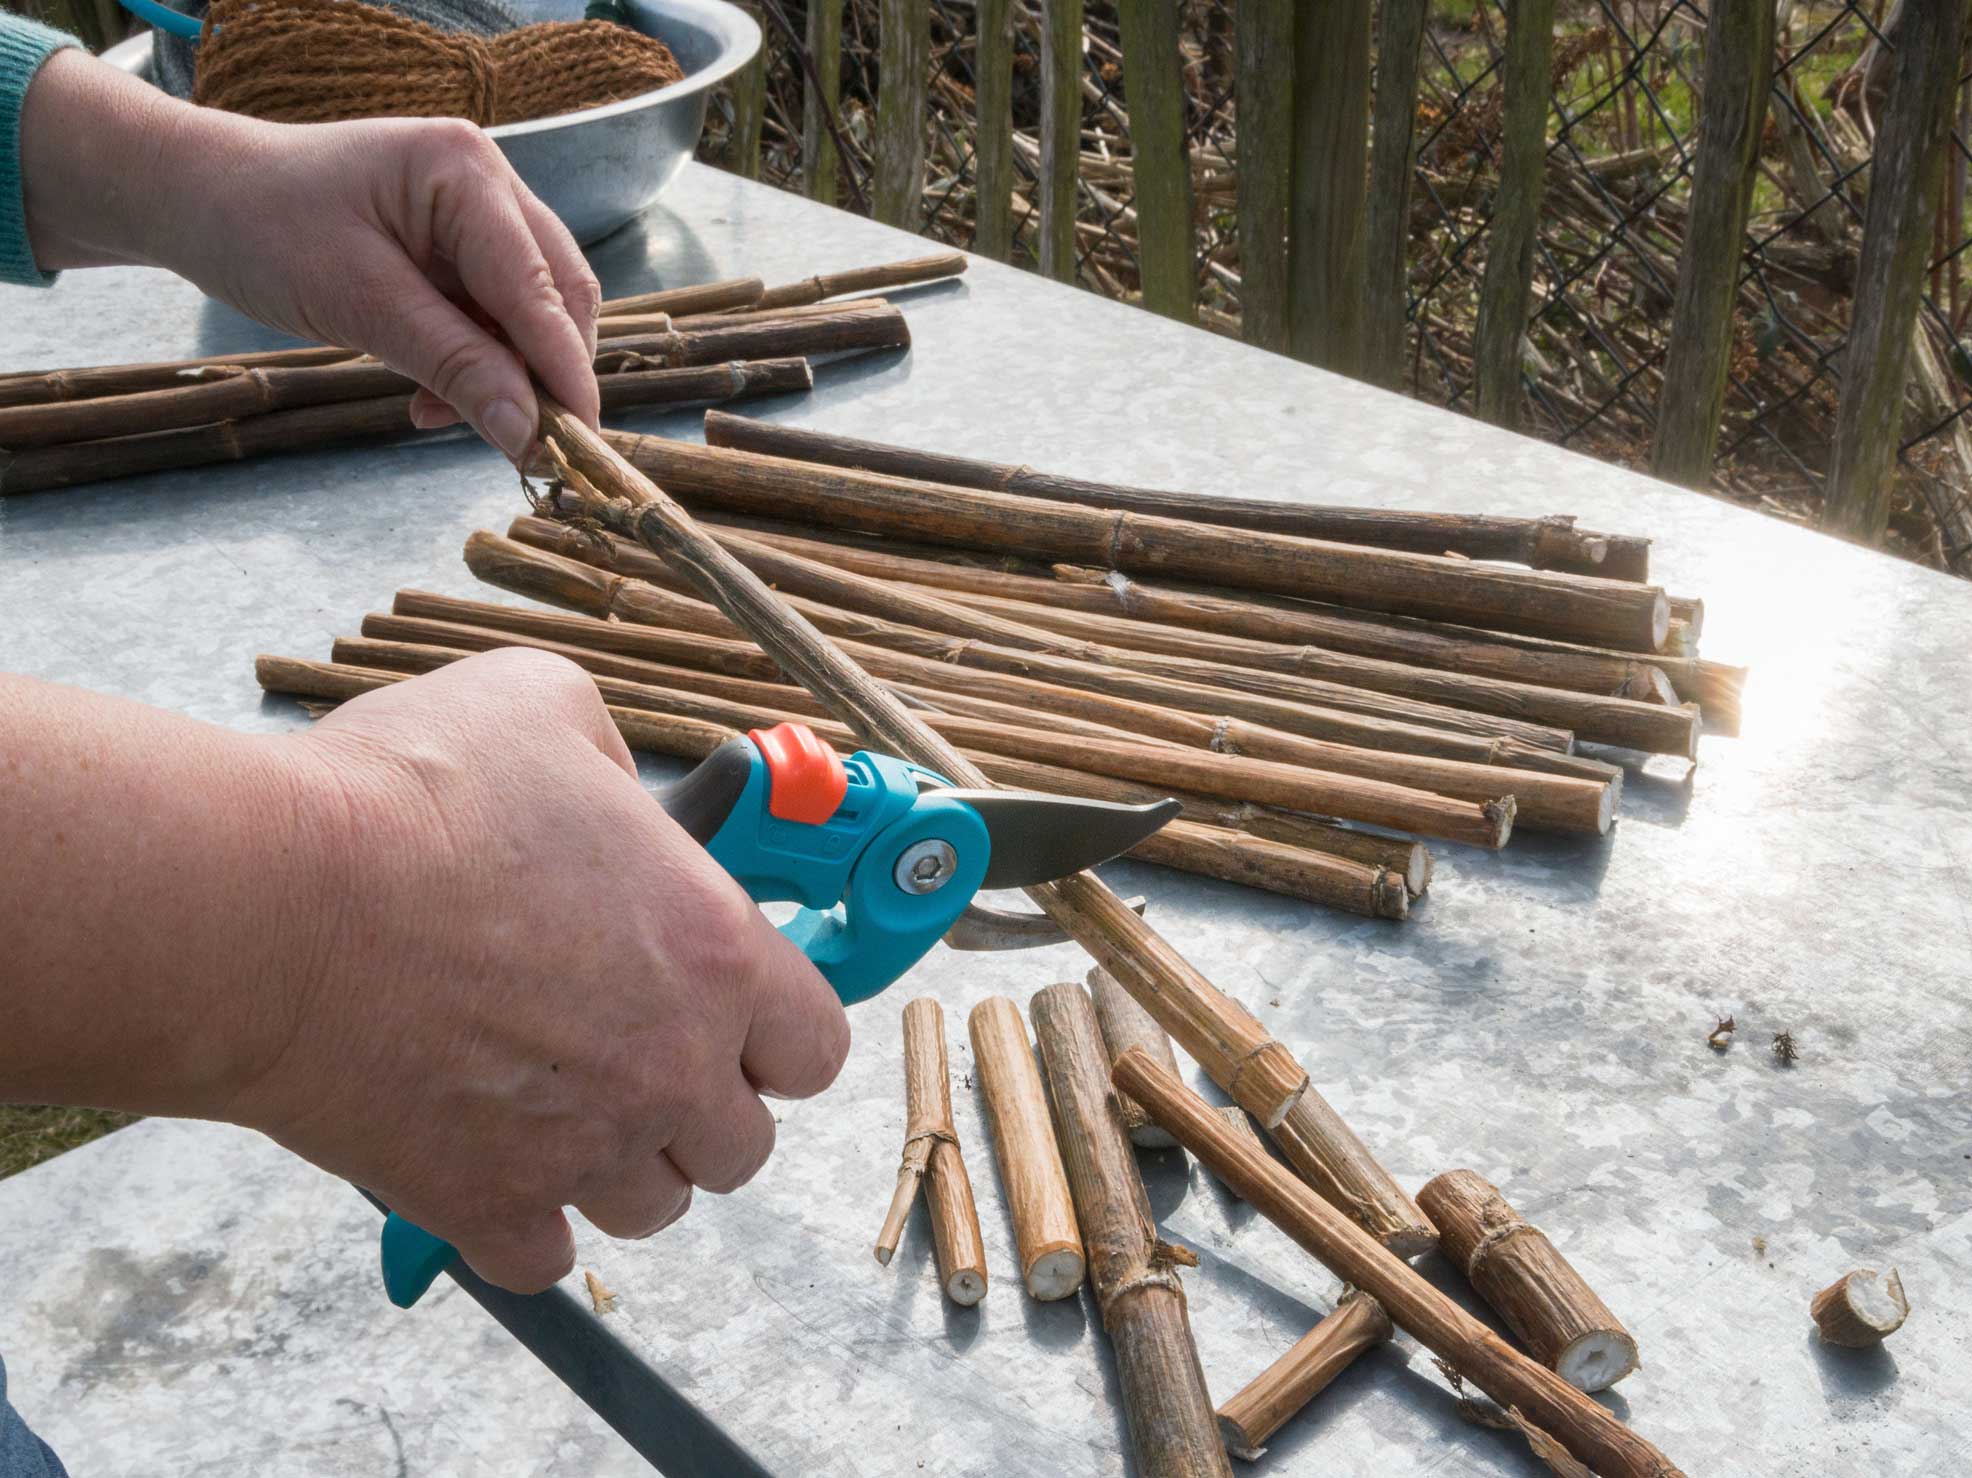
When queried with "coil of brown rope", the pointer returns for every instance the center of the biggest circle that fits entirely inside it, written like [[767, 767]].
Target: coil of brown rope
[[324, 61]]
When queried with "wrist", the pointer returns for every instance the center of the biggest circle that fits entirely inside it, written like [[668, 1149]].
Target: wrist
[[102, 160]]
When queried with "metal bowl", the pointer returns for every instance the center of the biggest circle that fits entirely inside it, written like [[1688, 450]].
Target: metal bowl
[[598, 168]]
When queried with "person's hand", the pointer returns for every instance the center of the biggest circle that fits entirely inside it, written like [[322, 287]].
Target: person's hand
[[409, 239], [532, 989]]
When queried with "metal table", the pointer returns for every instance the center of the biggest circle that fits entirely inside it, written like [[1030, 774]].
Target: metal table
[[1542, 1018]]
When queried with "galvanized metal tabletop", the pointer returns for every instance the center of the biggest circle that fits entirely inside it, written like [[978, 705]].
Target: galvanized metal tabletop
[[1541, 1018]]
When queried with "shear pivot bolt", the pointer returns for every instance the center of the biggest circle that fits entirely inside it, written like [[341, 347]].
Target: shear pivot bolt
[[925, 867]]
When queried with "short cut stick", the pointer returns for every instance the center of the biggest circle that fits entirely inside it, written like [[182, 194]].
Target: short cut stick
[[1589, 1431], [1264, 1404], [931, 1158], [1528, 1283], [1036, 1187], [1860, 1309], [1124, 1025]]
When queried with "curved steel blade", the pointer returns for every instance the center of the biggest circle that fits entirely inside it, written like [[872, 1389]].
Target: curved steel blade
[[982, 926], [1038, 838]]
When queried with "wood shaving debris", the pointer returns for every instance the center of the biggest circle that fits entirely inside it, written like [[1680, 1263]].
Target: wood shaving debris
[[599, 1293]]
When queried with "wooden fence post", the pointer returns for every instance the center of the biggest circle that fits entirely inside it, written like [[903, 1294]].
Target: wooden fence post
[[1399, 34], [1160, 161], [1508, 281], [749, 87], [1326, 218], [1061, 134], [903, 59], [1263, 43], [992, 160], [1904, 176], [820, 160], [1738, 77]]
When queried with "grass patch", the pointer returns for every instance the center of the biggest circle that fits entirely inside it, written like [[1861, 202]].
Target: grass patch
[[30, 1134]]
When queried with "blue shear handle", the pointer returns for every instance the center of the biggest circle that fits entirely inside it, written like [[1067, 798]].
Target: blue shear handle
[[412, 1260]]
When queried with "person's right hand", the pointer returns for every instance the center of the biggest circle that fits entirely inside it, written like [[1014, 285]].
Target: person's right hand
[[530, 989]]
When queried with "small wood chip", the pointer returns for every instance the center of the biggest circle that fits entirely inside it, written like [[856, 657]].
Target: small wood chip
[[599, 1293], [1721, 1037]]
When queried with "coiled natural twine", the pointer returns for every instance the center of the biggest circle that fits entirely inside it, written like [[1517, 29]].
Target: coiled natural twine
[[324, 61]]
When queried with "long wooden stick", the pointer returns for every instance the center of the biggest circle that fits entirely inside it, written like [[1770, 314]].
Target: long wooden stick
[[1172, 1430], [931, 1158], [1531, 541], [1256, 1070], [648, 625], [1265, 782], [1588, 1430], [1036, 1187], [651, 719], [704, 297], [1649, 727], [1653, 678], [1572, 607], [1410, 860], [309, 428], [1427, 730], [41, 387], [864, 279], [47, 387], [1411, 643], [897, 611], [848, 327], [1263, 1405]]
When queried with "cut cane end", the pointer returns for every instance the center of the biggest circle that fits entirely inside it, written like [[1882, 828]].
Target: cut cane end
[[1412, 1241], [1055, 1274], [1234, 1436], [966, 1287], [1860, 1309], [1605, 812], [1597, 1360]]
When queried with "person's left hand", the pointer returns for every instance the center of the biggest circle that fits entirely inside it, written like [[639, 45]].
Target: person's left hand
[[409, 239]]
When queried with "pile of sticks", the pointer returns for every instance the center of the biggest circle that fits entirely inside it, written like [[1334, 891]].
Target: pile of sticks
[[1076, 1200], [713, 343], [1332, 678], [728, 649]]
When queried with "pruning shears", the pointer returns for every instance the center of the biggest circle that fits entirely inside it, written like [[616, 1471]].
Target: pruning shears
[[884, 858]]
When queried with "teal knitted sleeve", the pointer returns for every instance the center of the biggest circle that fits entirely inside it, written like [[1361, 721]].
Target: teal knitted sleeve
[[24, 46]]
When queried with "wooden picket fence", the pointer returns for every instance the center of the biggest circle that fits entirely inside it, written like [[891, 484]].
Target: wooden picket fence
[[1325, 110]]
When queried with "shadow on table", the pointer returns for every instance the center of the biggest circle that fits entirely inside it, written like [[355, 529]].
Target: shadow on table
[[655, 250], [1853, 1382]]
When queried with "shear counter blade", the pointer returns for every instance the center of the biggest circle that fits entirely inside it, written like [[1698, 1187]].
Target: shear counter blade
[[1038, 838]]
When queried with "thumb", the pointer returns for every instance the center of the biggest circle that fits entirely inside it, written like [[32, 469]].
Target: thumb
[[419, 332]]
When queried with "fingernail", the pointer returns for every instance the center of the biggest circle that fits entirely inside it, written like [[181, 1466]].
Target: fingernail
[[424, 417], [507, 428]]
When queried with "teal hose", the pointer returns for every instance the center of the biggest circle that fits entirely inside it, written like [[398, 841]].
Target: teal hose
[[164, 18]]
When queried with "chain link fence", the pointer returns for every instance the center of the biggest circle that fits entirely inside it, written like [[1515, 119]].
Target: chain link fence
[[1627, 76]]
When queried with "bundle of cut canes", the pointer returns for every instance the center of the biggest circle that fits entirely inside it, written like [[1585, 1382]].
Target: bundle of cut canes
[[1332, 1196], [712, 343], [1315, 697]]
